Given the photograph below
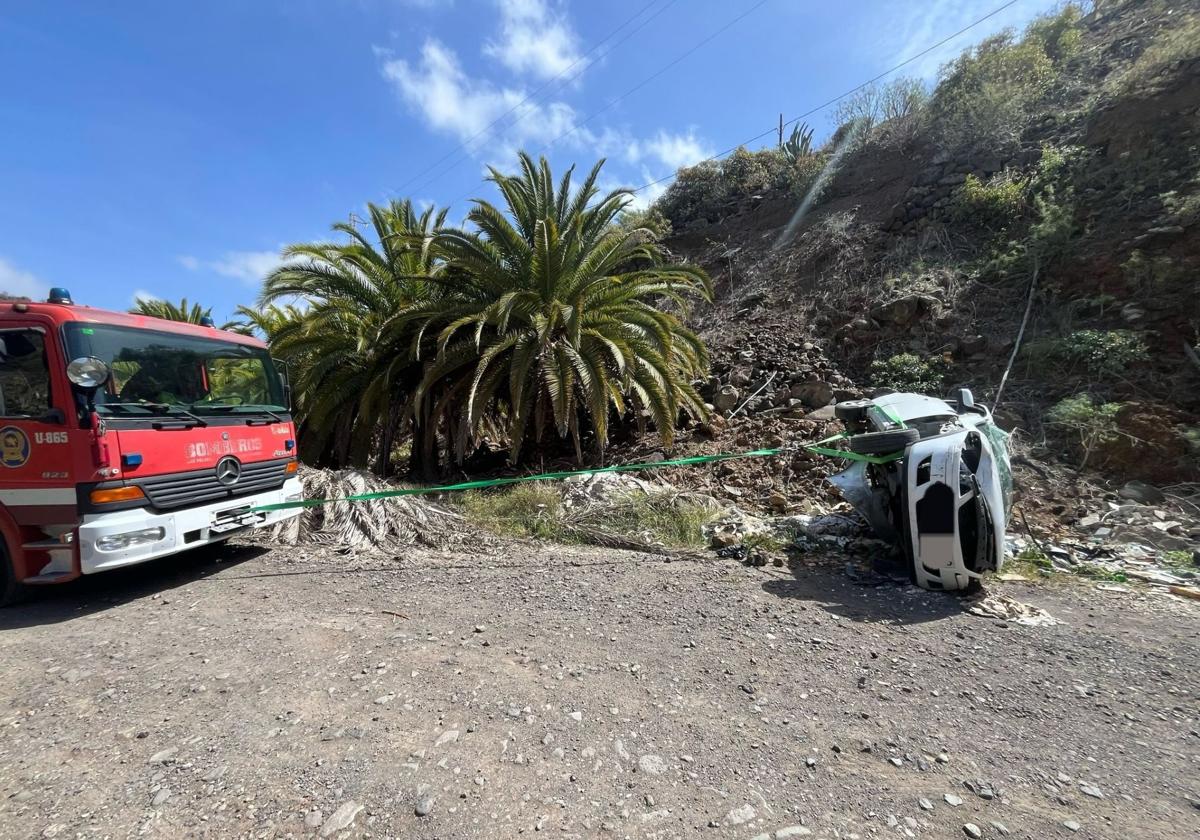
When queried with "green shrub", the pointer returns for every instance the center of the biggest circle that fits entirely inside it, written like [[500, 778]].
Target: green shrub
[[1049, 239], [989, 92], [995, 204], [1103, 353], [1151, 273], [705, 192], [1087, 422], [651, 219], [908, 372], [1173, 44]]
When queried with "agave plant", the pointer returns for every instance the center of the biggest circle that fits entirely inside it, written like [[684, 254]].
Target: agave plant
[[354, 371], [555, 316], [799, 144]]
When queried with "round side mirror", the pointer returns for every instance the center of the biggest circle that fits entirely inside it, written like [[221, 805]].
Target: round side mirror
[[87, 372]]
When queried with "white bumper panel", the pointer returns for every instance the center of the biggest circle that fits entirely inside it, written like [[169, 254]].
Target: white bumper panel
[[182, 529]]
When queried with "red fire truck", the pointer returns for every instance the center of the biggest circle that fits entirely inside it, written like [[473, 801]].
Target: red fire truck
[[124, 438]]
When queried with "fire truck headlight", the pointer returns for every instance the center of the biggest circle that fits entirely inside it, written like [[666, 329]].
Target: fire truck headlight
[[117, 542]]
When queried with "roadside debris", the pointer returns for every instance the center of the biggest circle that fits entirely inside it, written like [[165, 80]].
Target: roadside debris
[[1004, 608], [381, 524]]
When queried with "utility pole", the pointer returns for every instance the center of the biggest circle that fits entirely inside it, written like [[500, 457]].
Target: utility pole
[[781, 131]]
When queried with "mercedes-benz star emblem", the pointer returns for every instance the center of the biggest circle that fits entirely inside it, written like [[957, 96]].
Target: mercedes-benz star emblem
[[229, 470]]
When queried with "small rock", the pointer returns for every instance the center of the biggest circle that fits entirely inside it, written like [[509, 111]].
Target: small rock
[[341, 819], [479, 628], [424, 806], [159, 798], [741, 815], [1091, 790], [953, 799], [1071, 825], [793, 831], [314, 818], [447, 737], [972, 830], [649, 800], [898, 762], [925, 804], [165, 756], [1000, 827], [576, 716], [652, 765]]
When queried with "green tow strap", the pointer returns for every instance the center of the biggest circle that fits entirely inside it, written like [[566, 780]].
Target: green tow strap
[[817, 448]]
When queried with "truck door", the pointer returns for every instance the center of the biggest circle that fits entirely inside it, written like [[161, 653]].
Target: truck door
[[35, 452]]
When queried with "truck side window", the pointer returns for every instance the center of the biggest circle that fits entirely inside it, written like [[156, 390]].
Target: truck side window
[[24, 374]]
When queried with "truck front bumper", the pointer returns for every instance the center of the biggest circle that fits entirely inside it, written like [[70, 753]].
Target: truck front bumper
[[122, 538]]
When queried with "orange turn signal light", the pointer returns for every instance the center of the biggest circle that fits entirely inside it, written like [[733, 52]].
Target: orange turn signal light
[[291, 467], [116, 494]]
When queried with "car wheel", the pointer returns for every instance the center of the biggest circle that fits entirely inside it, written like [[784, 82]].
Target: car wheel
[[852, 412], [883, 443]]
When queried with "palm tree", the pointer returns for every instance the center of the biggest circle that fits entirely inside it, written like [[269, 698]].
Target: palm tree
[[170, 312], [554, 315], [355, 368]]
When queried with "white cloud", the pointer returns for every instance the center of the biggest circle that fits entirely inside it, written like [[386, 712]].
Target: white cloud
[[672, 150], [448, 100], [20, 283], [142, 294], [534, 39], [248, 266], [251, 266]]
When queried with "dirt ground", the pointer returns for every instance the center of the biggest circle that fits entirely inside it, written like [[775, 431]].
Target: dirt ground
[[579, 692]]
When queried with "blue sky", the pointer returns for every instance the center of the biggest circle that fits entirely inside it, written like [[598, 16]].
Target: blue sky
[[170, 148]]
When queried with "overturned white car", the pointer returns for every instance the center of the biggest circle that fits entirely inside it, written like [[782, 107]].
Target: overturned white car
[[938, 482]]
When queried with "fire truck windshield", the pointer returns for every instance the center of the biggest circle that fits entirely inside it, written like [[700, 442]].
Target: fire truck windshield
[[161, 371]]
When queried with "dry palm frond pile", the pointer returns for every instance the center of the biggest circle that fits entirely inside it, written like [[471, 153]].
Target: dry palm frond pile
[[378, 523]]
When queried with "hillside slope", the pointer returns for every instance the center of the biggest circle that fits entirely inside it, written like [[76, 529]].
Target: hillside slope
[[1069, 154]]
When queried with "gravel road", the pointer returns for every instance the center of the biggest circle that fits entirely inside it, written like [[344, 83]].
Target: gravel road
[[579, 692]]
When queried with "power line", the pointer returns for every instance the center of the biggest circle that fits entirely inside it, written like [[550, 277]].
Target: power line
[[853, 90], [694, 48], [463, 146], [655, 75]]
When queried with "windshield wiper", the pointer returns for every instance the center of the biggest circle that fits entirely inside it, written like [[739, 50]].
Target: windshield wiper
[[251, 410], [156, 410]]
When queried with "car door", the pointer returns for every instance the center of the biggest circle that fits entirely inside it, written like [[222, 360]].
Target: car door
[[35, 452]]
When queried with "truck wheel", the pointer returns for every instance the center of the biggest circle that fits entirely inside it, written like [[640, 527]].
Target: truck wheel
[[12, 591], [852, 411], [883, 443]]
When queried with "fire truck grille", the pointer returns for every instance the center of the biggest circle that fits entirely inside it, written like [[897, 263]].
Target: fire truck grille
[[180, 489]]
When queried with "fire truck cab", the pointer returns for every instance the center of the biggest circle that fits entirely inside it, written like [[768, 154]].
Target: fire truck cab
[[124, 438]]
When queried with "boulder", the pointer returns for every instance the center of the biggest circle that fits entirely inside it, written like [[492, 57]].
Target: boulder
[[813, 394], [726, 399]]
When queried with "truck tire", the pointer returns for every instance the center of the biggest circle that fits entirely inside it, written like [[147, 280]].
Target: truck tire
[[883, 443], [12, 591], [852, 411]]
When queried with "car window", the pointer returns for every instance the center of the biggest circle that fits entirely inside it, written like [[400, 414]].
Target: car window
[[24, 374]]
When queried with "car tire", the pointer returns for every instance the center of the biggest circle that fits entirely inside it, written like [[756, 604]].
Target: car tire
[[12, 591], [883, 443], [852, 411]]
